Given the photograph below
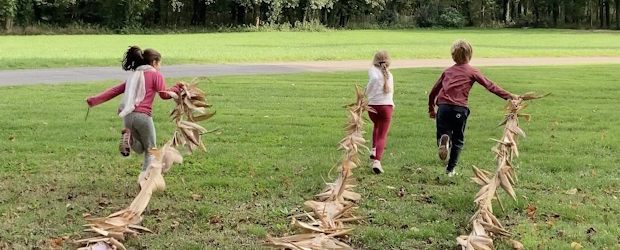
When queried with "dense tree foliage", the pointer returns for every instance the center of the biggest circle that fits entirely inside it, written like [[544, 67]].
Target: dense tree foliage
[[122, 14]]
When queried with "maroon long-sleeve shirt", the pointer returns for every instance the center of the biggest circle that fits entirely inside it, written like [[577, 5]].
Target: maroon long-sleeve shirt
[[154, 83], [454, 84]]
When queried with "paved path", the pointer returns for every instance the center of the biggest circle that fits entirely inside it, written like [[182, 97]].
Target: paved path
[[91, 74]]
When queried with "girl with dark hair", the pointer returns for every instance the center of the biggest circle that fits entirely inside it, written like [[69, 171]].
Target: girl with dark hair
[[135, 108], [380, 92]]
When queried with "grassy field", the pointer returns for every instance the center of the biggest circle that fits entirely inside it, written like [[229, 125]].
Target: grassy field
[[107, 50], [277, 142]]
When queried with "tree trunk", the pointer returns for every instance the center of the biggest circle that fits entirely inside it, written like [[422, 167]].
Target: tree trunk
[[555, 12], [607, 14], [590, 13], [507, 16], [9, 24], [257, 15], [617, 14], [601, 15]]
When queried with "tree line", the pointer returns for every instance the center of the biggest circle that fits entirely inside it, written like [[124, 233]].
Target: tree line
[[121, 14]]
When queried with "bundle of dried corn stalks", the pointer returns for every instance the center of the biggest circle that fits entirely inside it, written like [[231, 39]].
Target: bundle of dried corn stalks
[[111, 230], [336, 204], [484, 224], [189, 100]]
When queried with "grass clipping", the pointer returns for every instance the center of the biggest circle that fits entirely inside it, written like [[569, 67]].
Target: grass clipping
[[110, 231], [335, 206], [484, 224]]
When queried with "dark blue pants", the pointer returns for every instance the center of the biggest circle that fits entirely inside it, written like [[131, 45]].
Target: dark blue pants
[[451, 120]]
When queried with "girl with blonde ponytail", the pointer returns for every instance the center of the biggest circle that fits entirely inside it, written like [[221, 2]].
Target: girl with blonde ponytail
[[380, 92]]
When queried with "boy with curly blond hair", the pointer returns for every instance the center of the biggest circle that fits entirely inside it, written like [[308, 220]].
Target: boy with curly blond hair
[[450, 95]]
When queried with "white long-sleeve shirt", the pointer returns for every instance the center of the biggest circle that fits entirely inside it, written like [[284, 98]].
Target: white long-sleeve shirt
[[374, 89]]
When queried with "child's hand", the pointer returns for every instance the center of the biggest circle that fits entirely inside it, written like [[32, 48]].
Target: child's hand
[[514, 97], [432, 115], [87, 100]]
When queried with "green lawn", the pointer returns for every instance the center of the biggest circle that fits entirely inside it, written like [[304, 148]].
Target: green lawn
[[277, 143], [107, 50]]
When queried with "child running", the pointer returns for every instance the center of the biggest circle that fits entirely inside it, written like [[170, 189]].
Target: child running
[[135, 108], [450, 95], [380, 92]]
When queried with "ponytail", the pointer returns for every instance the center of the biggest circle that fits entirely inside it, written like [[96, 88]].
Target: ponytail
[[382, 61], [135, 57], [386, 78]]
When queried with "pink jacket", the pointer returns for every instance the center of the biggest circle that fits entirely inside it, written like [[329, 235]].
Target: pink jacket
[[154, 84], [454, 84]]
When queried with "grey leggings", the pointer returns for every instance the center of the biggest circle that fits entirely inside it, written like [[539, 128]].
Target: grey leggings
[[142, 133]]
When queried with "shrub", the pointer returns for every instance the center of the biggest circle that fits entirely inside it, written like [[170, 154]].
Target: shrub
[[452, 18]]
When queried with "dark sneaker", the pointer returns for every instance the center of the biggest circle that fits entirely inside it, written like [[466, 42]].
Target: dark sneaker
[[125, 145], [444, 147]]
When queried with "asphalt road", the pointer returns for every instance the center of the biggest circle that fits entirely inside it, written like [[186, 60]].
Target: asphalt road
[[94, 74]]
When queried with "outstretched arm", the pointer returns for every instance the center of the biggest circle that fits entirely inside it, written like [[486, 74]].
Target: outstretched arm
[[160, 87], [489, 85], [106, 95], [433, 95]]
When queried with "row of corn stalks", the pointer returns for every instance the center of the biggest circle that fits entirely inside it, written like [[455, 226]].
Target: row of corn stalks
[[484, 224], [335, 206], [109, 232]]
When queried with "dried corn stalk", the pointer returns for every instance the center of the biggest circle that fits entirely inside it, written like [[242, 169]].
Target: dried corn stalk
[[189, 101], [111, 230], [483, 223], [336, 204]]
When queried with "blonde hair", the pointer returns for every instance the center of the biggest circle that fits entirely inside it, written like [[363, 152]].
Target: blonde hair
[[461, 51], [382, 61]]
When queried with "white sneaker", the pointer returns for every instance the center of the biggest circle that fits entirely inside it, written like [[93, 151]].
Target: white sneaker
[[376, 167], [451, 173]]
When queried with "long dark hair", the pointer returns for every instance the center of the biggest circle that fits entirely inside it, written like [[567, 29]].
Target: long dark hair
[[135, 57]]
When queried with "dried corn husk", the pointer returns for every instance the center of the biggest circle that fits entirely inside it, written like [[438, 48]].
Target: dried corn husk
[[109, 231], [483, 223], [336, 204], [191, 107]]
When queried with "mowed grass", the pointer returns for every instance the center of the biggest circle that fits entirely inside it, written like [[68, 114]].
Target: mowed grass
[[107, 50], [275, 147]]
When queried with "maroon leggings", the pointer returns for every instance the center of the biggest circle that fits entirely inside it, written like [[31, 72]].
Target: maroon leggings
[[382, 120]]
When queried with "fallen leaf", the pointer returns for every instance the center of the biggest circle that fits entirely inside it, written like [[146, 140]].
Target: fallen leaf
[[12, 138], [174, 224], [196, 197], [549, 222], [214, 219], [571, 191], [575, 245], [56, 243], [102, 201], [591, 231], [561, 233], [603, 136], [401, 192], [531, 211], [555, 124], [516, 245]]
